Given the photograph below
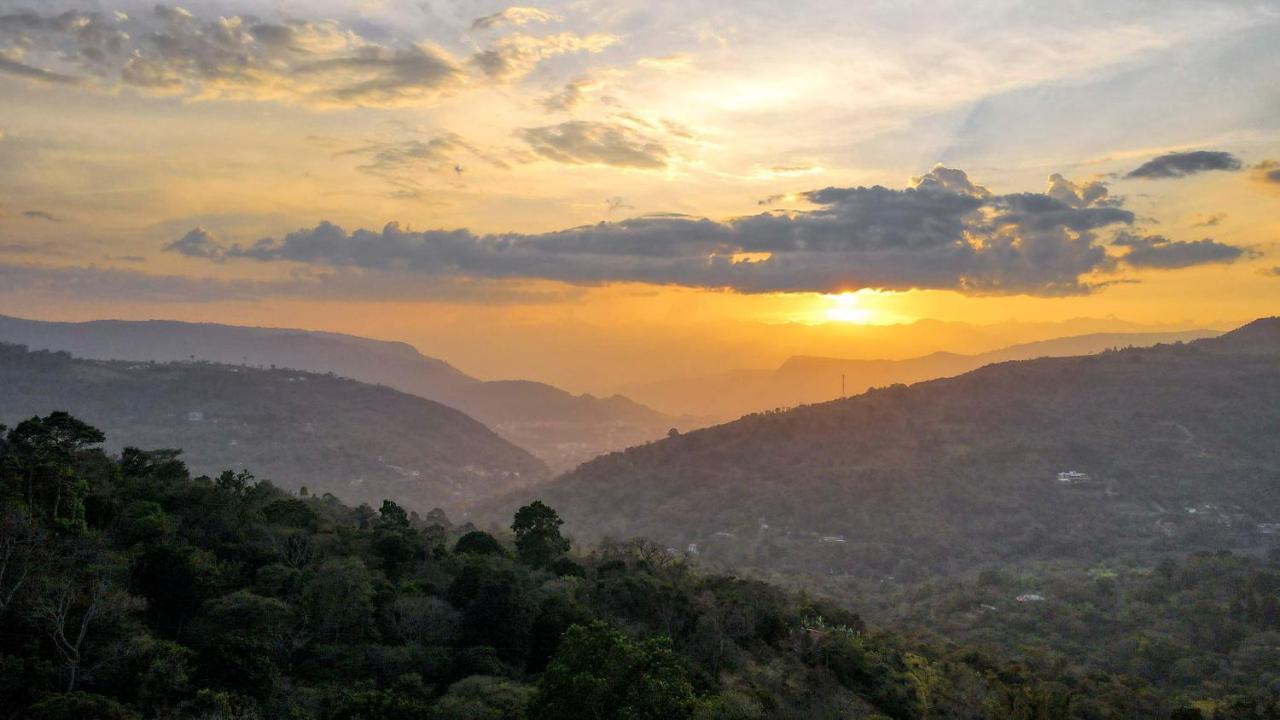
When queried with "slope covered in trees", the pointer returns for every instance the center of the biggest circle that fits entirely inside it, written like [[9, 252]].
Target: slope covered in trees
[[560, 428], [300, 429], [130, 590], [1174, 448]]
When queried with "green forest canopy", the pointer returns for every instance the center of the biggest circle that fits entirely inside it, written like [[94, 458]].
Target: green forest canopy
[[129, 589]]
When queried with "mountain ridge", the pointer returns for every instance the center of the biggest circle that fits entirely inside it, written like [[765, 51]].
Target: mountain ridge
[[561, 428], [1175, 446], [330, 434]]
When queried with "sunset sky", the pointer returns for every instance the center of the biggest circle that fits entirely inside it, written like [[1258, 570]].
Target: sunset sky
[[595, 193]]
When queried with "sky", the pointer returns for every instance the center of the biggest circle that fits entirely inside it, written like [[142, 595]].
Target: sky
[[599, 193]]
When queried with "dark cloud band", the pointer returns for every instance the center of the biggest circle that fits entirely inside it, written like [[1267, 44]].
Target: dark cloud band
[[1182, 164], [943, 232], [1158, 252]]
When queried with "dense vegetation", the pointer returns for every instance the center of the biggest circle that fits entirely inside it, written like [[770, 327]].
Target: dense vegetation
[[131, 590], [561, 429], [1205, 623], [360, 442], [1179, 443]]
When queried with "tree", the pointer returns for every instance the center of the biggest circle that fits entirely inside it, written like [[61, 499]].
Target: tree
[[424, 620], [481, 697], [479, 542], [46, 450], [497, 605], [78, 705], [244, 641], [599, 673], [20, 542], [397, 703], [395, 542], [338, 600], [392, 515], [74, 603], [538, 538], [175, 579]]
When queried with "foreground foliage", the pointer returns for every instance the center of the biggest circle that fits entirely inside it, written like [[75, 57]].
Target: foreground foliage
[[129, 589]]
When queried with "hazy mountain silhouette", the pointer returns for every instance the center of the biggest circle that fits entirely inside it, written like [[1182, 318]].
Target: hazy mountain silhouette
[[561, 428], [806, 379], [358, 441]]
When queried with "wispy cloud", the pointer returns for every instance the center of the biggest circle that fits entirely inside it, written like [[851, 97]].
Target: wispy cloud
[[514, 56], [104, 283], [171, 51], [513, 16], [601, 143], [674, 61], [571, 96]]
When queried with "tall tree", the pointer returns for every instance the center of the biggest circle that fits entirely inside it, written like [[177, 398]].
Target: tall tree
[[538, 538], [45, 450]]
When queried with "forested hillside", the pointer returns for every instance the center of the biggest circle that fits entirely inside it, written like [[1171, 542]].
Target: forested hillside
[[322, 432], [1126, 453], [560, 428], [130, 590]]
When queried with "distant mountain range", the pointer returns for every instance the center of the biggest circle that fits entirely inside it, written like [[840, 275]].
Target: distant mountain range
[[361, 442], [560, 428], [1173, 447], [805, 380]]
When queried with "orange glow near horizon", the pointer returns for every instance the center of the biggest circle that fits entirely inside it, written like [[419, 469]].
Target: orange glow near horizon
[[847, 309], [860, 307]]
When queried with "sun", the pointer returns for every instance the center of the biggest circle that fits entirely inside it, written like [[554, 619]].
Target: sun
[[846, 307]]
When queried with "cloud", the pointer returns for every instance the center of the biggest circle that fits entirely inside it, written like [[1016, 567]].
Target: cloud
[[93, 282], [784, 170], [1182, 164], [1268, 171], [30, 248], [102, 283], [583, 142], [675, 61], [941, 232], [170, 51], [570, 96], [1157, 251], [434, 154], [404, 163], [678, 130], [198, 243], [617, 203], [41, 215], [13, 67], [1212, 220], [513, 16], [514, 56]]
